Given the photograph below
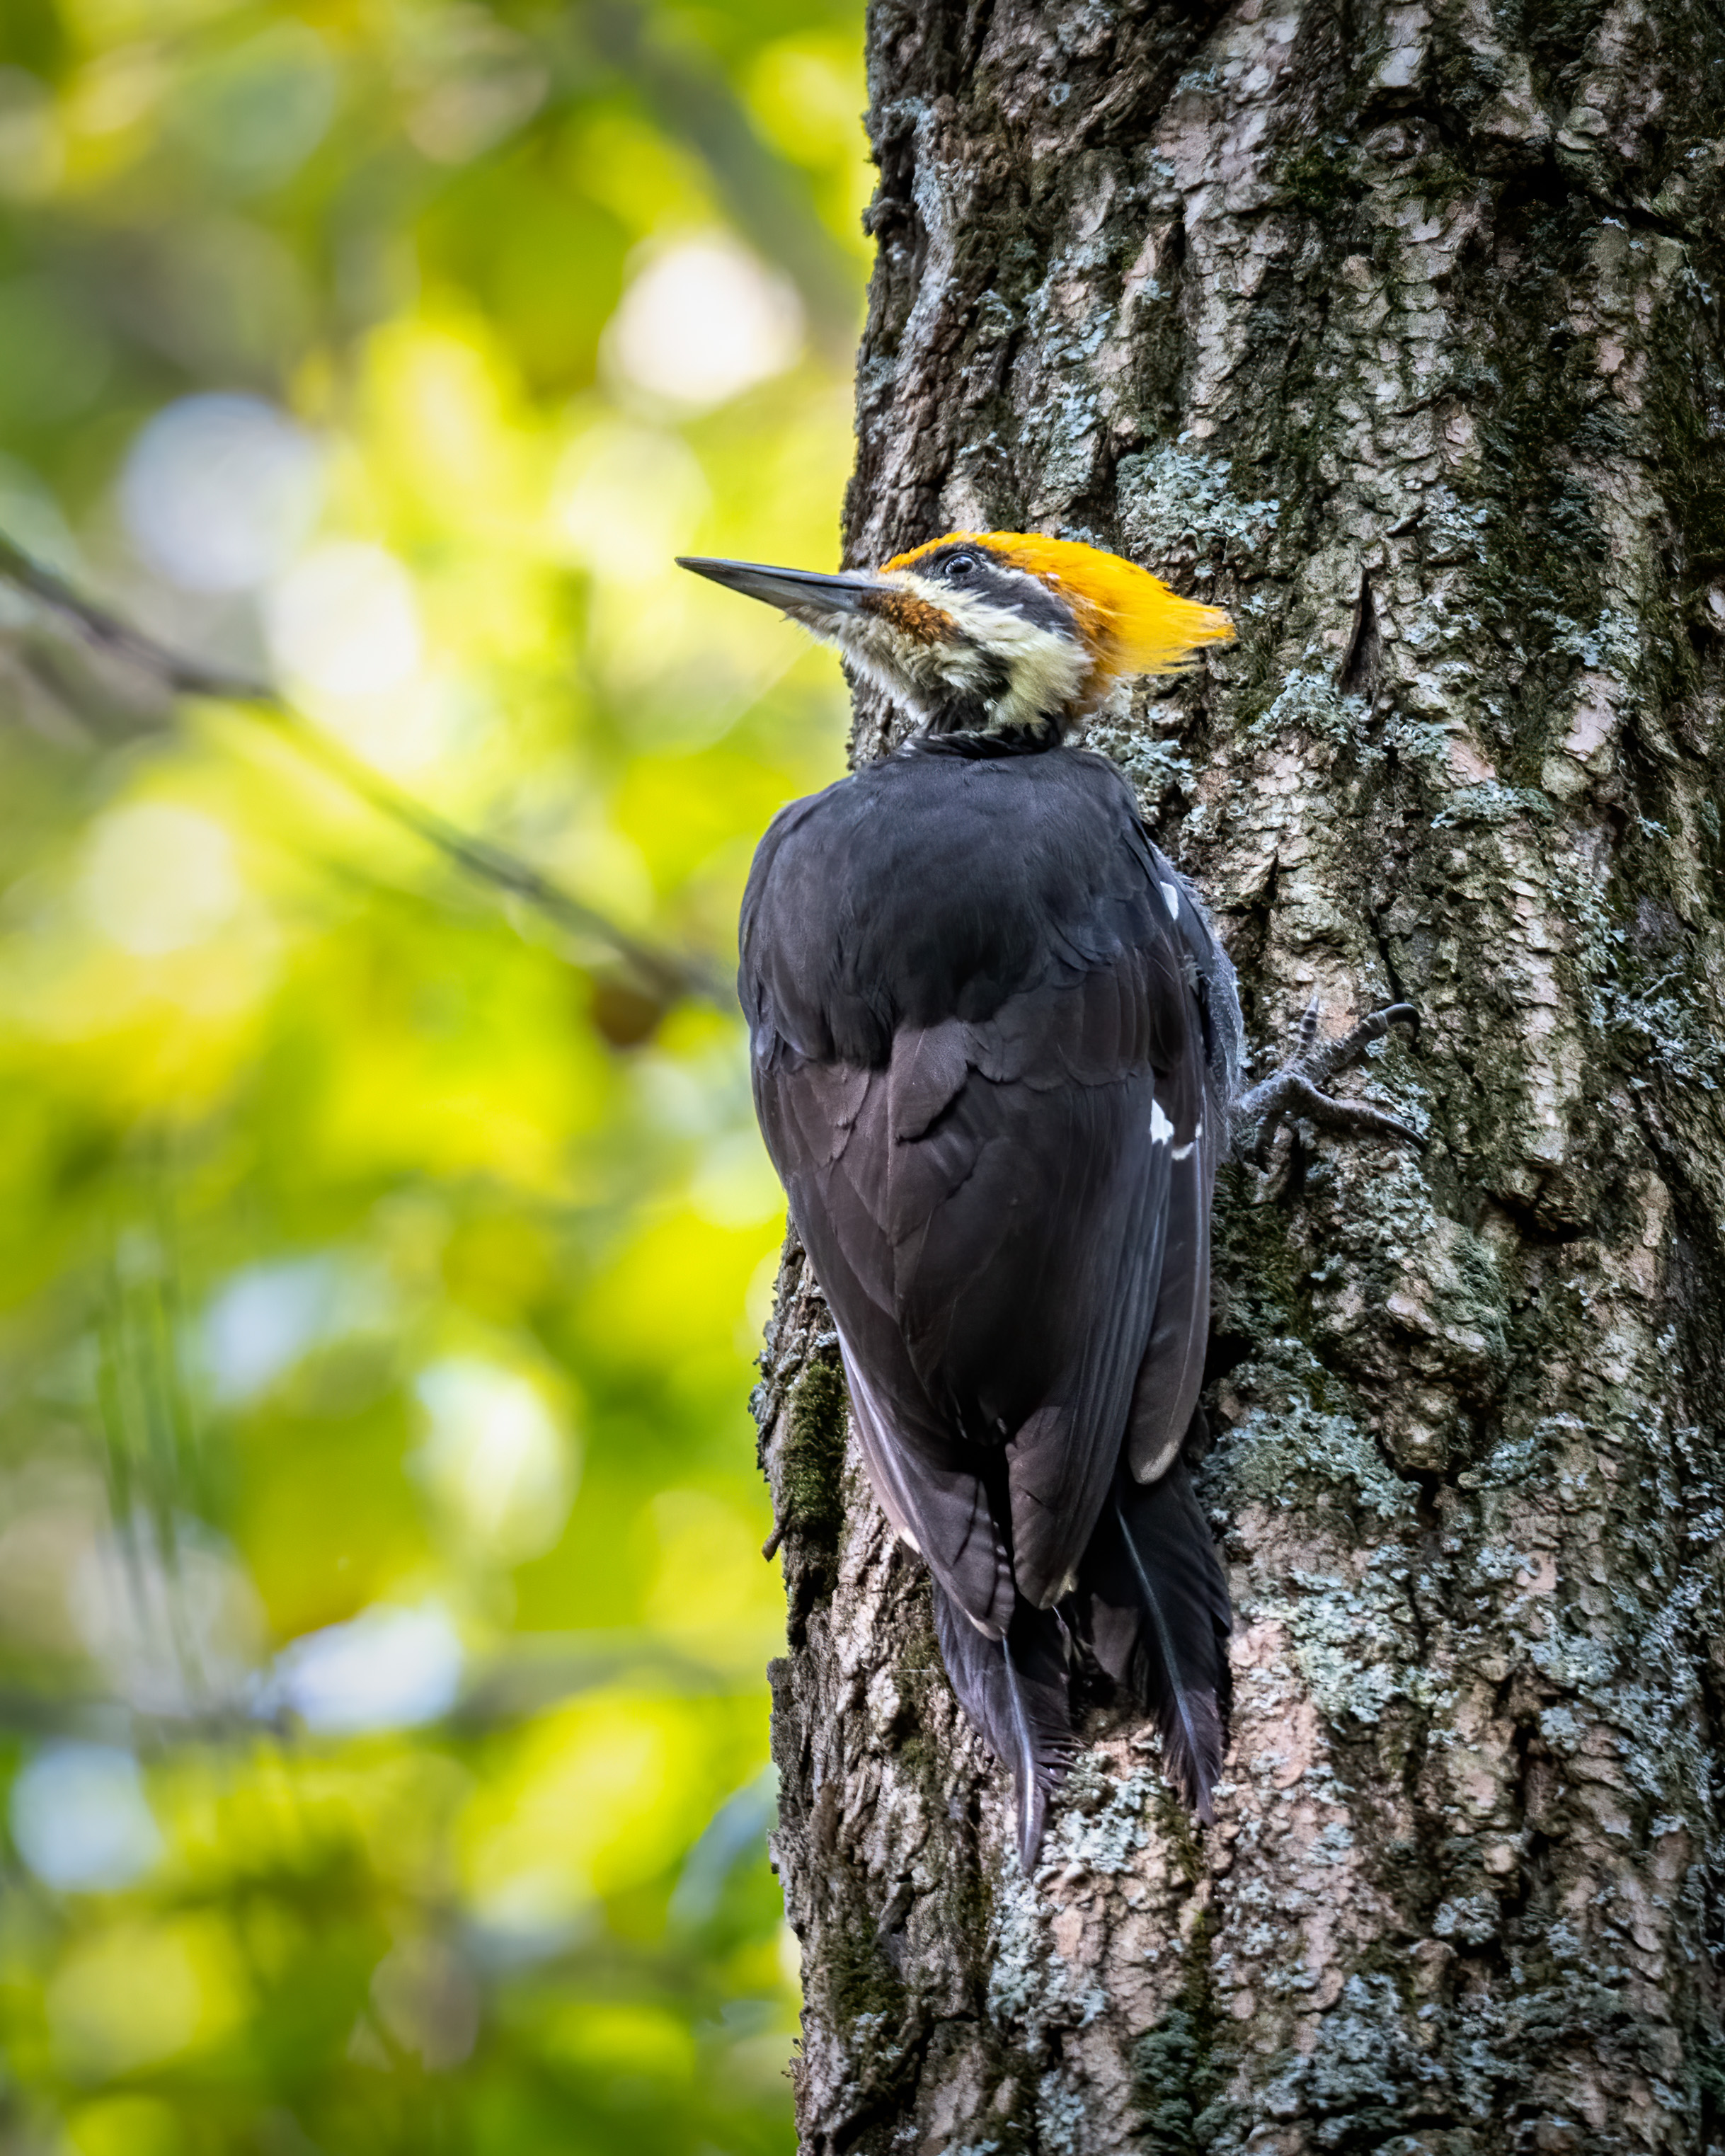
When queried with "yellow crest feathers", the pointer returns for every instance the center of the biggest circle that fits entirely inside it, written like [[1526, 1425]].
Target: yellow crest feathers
[[1132, 621]]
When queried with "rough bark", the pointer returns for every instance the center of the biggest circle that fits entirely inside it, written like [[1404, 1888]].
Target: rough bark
[[1397, 328]]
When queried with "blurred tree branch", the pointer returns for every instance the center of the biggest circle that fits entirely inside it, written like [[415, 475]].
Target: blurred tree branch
[[669, 975], [503, 1688]]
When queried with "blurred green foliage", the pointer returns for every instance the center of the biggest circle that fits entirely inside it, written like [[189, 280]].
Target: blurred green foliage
[[382, 1722]]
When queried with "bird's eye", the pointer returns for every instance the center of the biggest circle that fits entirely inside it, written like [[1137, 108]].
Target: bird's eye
[[961, 565]]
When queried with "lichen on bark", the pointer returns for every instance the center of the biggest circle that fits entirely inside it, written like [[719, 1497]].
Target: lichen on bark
[[1397, 329]]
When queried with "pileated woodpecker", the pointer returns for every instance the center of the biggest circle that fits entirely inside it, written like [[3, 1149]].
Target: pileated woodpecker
[[996, 1054]]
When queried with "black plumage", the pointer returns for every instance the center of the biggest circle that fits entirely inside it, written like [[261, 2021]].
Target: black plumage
[[994, 1047]]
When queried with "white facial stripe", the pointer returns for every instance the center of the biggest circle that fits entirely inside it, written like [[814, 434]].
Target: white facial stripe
[[1045, 671], [1161, 1129]]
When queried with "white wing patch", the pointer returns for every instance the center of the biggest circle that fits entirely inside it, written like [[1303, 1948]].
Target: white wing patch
[[1185, 1151], [1171, 900], [1161, 1129]]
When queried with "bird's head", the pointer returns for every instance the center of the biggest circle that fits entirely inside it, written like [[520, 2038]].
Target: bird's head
[[990, 632]]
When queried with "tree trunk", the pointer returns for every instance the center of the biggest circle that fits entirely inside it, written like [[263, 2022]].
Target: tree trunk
[[1397, 328]]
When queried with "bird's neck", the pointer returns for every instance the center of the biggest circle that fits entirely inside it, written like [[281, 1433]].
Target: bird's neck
[[967, 728]]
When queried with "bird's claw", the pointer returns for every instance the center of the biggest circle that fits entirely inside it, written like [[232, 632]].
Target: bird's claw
[[1297, 1088]]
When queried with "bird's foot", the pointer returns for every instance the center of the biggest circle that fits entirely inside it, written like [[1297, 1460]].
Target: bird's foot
[[1297, 1090]]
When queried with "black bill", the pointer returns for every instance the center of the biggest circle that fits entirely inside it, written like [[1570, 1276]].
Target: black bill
[[805, 595]]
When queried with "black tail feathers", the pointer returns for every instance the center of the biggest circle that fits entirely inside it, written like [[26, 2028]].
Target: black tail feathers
[[1159, 1619], [1016, 1692], [1152, 1601]]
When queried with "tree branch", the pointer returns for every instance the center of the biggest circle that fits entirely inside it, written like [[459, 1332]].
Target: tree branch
[[669, 975]]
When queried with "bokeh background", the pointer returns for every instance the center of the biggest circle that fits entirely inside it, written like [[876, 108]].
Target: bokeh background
[[382, 1622]]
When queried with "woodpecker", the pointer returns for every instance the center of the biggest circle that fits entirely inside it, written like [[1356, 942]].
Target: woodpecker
[[996, 1051]]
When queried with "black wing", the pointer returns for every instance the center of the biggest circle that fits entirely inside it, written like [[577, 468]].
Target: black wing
[[1165, 1396], [987, 1217]]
